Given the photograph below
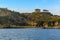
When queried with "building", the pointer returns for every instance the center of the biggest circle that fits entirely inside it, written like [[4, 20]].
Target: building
[[37, 10]]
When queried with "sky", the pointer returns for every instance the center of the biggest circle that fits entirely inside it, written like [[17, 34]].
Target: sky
[[29, 5]]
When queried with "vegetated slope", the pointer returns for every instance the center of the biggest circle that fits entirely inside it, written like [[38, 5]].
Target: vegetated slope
[[22, 19], [11, 17]]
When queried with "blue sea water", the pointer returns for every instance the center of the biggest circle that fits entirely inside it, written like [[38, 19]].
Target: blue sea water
[[30, 34]]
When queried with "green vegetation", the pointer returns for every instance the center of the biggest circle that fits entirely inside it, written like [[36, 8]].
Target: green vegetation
[[26, 19]]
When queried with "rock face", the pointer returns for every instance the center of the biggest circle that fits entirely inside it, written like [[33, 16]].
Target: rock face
[[4, 12]]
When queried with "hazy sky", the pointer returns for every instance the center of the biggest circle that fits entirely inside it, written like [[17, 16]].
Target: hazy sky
[[29, 5]]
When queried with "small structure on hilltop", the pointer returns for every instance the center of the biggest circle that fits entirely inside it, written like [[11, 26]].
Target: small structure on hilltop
[[37, 10]]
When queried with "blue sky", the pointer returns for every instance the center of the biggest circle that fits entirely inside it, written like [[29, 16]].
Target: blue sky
[[29, 5]]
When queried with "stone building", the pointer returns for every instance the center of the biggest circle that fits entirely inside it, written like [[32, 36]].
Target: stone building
[[37, 10]]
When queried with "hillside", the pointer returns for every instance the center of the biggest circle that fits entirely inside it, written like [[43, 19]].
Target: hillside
[[36, 18], [11, 17]]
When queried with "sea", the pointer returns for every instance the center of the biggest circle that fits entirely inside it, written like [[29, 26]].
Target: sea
[[30, 34]]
